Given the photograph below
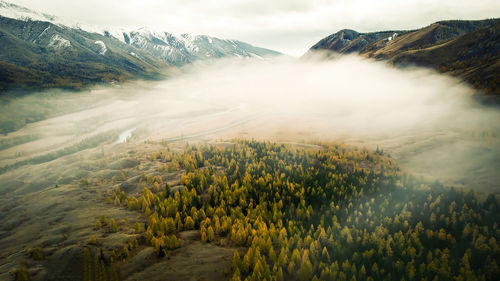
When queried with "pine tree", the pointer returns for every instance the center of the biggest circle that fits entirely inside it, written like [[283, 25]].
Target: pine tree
[[189, 223], [248, 260], [217, 225], [236, 276], [179, 225], [362, 273], [279, 274], [113, 227], [210, 234], [306, 270], [203, 236], [178, 222], [325, 256], [236, 260], [272, 255], [138, 228], [258, 271], [170, 224]]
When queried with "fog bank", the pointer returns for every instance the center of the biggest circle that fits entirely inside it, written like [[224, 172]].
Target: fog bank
[[428, 122]]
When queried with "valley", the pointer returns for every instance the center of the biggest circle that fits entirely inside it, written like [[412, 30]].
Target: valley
[[132, 151], [68, 192]]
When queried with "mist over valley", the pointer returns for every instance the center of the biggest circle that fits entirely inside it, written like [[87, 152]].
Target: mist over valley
[[141, 154]]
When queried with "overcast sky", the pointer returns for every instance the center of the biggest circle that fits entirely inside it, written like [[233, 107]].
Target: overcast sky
[[289, 26]]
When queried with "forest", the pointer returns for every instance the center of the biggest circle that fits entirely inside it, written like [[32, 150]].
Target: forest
[[319, 212]]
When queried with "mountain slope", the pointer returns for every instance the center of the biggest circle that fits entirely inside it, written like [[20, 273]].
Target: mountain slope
[[467, 49], [43, 51], [184, 48], [475, 57], [348, 41], [38, 54]]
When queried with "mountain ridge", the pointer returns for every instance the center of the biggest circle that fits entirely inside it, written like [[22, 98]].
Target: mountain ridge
[[42, 51], [186, 48], [469, 50]]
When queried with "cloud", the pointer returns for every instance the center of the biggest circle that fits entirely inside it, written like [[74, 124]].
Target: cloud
[[427, 121], [353, 93], [258, 21]]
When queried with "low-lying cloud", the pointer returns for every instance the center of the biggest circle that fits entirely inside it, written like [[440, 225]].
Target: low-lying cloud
[[429, 122], [351, 92]]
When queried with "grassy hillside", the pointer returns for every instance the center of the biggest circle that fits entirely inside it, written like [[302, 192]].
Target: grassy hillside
[[467, 49], [475, 57]]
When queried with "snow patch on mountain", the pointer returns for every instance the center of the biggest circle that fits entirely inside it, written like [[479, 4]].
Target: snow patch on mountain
[[103, 48], [390, 38], [117, 33], [57, 42], [40, 36]]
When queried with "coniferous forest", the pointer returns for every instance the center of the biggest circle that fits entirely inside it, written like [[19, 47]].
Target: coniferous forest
[[326, 212]]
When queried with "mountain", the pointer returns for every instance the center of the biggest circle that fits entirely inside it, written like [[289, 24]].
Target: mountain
[[43, 51], [469, 50], [348, 41], [14, 11], [37, 54], [184, 48]]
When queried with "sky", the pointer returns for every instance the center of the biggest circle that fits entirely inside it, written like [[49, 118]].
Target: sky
[[288, 26]]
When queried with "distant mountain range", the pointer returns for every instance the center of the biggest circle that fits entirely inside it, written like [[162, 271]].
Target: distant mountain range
[[184, 48], [42, 51], [469, 50]]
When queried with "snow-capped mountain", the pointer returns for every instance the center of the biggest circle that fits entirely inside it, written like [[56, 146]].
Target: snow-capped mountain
[[165, 46], [17, 12], [40, 54], [184, 48], [42, 51]]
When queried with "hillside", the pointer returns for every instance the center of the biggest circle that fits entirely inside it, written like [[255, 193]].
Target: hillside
[[469, 50], [36, 54], [43, 51], [348, 41], [247, 210]]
